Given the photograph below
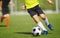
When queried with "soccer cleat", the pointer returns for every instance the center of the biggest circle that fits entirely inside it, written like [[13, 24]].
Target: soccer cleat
[[50, 27], [45, 32]]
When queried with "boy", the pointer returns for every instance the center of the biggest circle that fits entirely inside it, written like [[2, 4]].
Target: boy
[[34, 10], [5, 12]]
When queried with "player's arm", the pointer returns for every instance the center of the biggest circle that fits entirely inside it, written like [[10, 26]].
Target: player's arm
[[50, 1]]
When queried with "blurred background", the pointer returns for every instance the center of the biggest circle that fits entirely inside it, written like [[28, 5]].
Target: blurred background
[[55, 8], [17, 7], [21, 23]]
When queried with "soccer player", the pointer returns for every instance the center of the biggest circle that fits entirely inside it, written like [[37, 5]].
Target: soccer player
[[35, 10], [5, 12]]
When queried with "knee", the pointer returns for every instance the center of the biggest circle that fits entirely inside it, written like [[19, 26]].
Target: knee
[[6, 15], [43, 17]]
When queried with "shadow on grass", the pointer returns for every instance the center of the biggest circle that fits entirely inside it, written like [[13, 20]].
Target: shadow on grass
[[28, 33], [2, 25]]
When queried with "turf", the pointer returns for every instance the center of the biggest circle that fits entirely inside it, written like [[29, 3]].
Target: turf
[[20, 26]]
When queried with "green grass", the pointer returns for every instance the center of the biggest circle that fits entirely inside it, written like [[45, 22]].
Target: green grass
[[20, 26]]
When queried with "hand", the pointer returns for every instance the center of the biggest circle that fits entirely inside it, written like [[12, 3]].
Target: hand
[[50, 2]]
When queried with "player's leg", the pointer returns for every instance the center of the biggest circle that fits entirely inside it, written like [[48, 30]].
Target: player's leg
[[46, 21], [36, 19], [6, 16], [42, 15], [7, 20], [39, 23]]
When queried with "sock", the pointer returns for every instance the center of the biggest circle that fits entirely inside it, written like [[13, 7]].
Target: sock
[[2, 18], [7, 21], [46, 21], [41, 26]]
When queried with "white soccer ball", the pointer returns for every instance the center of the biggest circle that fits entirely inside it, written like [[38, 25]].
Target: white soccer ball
[[36, 31]]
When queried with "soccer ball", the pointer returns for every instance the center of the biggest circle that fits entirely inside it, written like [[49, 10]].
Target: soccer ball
[[36, 31]]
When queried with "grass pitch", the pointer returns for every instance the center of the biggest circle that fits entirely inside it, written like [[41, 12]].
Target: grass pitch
[[20, 26]]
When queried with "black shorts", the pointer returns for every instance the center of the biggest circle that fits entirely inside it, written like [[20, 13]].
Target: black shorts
[[5, 8], [36, 10], [5, 11]]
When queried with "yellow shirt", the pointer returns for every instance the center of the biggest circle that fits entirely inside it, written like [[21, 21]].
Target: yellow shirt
[[31, 3]]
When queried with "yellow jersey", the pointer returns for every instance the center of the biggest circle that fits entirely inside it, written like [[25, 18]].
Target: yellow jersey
[[31, 3]]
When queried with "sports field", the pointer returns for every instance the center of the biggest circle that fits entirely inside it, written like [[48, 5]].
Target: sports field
[[20, 26]]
